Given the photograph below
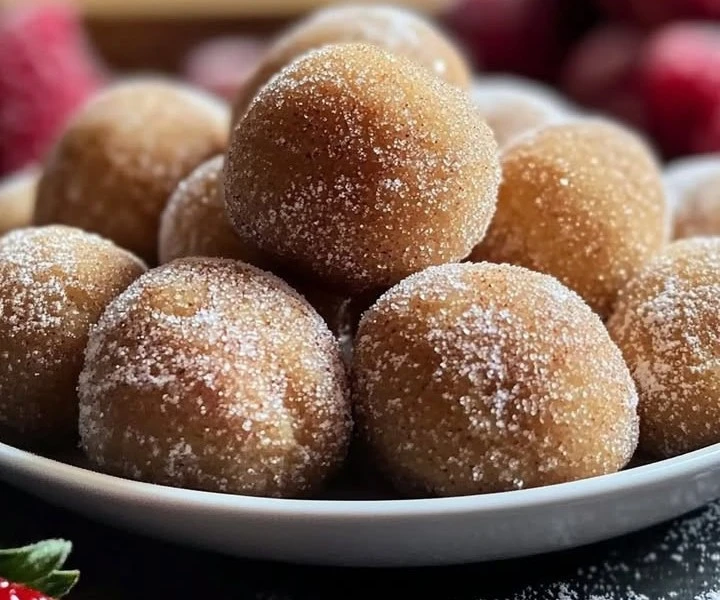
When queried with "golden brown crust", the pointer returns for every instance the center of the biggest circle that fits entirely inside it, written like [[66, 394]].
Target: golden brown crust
[[211, 374], [667, 324], [120, 158], [581, 201], [357, 168], [54, 284], [392, 28], [476, 378]]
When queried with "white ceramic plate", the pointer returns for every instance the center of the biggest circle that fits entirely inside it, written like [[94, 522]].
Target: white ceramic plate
[[381, 532]]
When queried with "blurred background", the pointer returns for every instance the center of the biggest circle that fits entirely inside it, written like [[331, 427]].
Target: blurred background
[[654, 64]]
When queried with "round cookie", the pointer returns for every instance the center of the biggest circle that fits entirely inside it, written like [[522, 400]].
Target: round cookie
[[474, 378], [512, 105], [582, 201], [211, 374], [356, 168], [693, 189], [55, 283], [667, 324], [17, 199], [397, 30], [119, 159]]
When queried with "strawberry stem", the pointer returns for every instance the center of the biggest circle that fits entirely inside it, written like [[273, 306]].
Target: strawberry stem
[[37, 566]]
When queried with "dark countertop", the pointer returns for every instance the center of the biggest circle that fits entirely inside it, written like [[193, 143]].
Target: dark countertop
[[676, 561]]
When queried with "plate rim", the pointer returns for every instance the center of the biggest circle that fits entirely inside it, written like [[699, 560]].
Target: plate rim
[[593, 487]]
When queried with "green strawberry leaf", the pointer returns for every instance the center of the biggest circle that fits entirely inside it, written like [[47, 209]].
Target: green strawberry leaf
[[34, 562], [37, 565], [58, 584]]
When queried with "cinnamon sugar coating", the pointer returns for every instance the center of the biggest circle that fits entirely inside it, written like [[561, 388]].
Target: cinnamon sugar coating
[[113, 169], [212, 374], [55, 282], [582, 201], [356, 168], [476, 378], [397, 30], [667, 323], [194, 222]]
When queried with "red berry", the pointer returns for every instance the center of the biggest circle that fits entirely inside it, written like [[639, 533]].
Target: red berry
[[46, 72], [518, 36], [222, 65], [14, 591], [656, 12], [680, 72], [601, 72], [707, 139]]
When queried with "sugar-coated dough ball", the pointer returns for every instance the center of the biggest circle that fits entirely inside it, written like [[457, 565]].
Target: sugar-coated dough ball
[[357, 168], [582, 201], [119, 159], [395, 29], [194, 222], [699, 212], [667, 323], [55, 283], [476, 378], [211, 374], [693, 188], [17, 199], [513, 106]]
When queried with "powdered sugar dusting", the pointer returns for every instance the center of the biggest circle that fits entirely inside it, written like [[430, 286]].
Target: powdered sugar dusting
[[668, 325], [356, 167], [467, 377], [211, 374], [678, 561], [45, 273], [54, 283]]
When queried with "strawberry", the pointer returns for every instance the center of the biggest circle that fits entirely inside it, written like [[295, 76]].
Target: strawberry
[[680, 77], [651, 13], [221, 65], [518, 36], [46, 72], [707, 139], [15, 591], [601, 72], [32, 572]]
